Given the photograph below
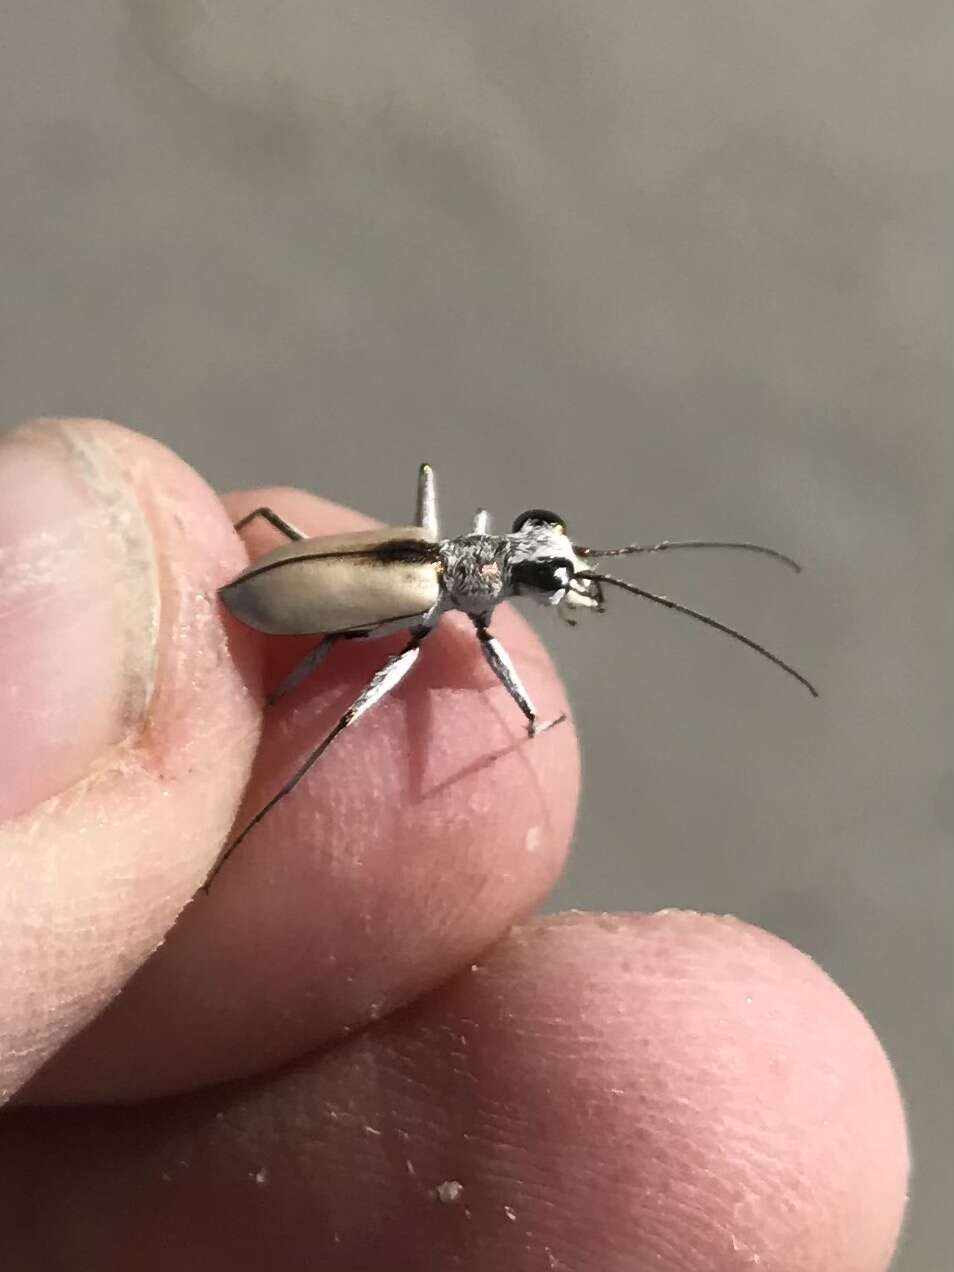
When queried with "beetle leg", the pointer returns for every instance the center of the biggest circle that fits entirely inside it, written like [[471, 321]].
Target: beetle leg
[[506, 673], [425, 514], [304, 669], [273, 519], [381, 684]]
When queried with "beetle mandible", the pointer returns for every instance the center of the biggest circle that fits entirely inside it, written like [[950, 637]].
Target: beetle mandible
[[372, 582]]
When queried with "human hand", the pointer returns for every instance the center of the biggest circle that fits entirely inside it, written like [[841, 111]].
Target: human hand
[[586, 1093]]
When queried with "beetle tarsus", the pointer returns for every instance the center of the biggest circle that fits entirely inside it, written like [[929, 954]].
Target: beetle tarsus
[[314, 658], [268, 514], [534, 730]]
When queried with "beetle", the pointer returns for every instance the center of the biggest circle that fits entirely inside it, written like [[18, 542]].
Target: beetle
[[372, 582]]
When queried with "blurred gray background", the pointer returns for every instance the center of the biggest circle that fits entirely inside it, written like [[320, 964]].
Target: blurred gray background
[[671, 268]]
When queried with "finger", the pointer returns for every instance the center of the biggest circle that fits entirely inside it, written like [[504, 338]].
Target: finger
[[423, 833], [126, 731], [673, 1091]]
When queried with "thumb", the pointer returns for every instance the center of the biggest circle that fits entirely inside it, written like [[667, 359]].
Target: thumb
[[126, 731]]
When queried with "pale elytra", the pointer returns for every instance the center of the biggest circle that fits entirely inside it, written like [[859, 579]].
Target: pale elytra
[[364, 584]]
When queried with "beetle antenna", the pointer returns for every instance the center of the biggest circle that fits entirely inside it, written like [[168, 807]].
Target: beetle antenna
[[703, 618], [668, 545]]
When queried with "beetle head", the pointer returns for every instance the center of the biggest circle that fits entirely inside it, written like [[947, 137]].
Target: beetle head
[[544, 564]]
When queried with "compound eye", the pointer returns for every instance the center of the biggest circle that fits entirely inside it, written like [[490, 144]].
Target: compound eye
[[541, 515], [551, 575]]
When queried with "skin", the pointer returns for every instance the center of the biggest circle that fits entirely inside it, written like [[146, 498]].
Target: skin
[[368, 1055]]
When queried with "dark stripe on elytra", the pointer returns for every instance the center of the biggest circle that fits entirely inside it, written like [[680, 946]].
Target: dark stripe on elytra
[[400, 552]]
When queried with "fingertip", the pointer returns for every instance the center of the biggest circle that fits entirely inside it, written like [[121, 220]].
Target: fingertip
[[112, 846]]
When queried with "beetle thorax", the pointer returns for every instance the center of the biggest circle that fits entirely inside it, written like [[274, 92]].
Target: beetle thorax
[[475, 572]]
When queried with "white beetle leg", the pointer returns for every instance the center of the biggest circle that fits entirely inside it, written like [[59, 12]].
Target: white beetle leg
[[273, 519], [426, 511], [303, 670], [381, 684], [506, 673]]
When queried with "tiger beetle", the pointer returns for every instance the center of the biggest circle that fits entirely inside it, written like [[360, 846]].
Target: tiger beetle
[[372, 582]]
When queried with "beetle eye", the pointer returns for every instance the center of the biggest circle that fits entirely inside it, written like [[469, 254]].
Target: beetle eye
[[550, 575], [538, 514]]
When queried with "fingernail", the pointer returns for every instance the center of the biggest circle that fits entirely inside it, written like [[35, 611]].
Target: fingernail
[[79, 609]]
